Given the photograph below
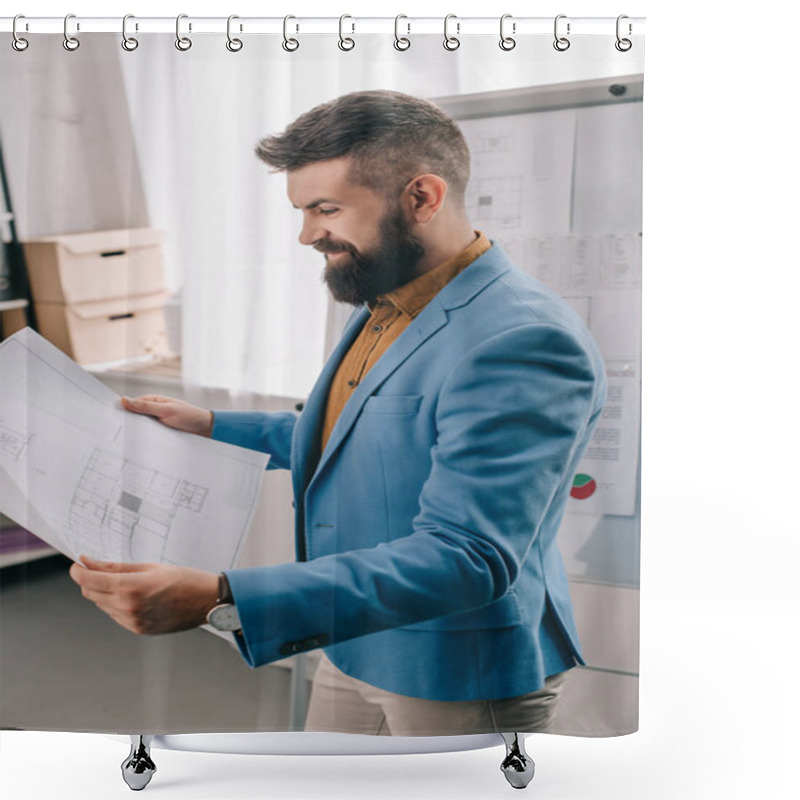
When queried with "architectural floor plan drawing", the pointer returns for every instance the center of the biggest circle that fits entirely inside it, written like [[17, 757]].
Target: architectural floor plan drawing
[[90, 478], [497, 202], [130, 507], [12, 442]]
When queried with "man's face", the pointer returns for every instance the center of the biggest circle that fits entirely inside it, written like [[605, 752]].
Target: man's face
[[368, 247]]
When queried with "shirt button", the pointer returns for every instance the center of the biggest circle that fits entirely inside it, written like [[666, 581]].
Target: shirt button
[[377, 328]]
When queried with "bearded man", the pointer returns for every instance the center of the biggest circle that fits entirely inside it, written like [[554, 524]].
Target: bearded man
[[431, 464]]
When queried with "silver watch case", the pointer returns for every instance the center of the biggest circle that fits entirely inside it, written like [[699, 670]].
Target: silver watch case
[[224, 617]]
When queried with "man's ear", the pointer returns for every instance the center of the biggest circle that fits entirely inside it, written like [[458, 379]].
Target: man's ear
[[423, 197]]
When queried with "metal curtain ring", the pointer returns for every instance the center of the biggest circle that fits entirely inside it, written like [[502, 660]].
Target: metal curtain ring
[[506, 42], [18, 43], [70, 43], [345, 42], [401, 42], [289, 44], [623, 45], [183, 43], [451, 42], [128, 42], [561, 43], [234, 45]]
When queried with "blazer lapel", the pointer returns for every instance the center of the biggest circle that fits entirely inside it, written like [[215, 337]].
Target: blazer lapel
[[430, 320], [460, 291], [305, 440]]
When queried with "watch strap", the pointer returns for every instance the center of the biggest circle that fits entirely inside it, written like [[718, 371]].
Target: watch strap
[[224, 594]]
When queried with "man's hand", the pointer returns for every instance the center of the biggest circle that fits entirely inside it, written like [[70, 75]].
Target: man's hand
[[148, 598], [173, 413]]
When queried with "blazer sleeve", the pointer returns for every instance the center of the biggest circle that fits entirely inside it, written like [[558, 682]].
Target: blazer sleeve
[[511, 419], [258, 430]]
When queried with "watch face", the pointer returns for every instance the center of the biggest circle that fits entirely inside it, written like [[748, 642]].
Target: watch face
[[224, 618]]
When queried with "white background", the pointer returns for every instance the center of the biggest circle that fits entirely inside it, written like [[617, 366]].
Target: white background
[[720, 603]]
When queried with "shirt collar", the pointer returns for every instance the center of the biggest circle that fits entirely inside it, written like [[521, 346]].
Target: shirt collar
[[413, 296]]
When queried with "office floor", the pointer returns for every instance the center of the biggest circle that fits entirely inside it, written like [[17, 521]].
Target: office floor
[[65, 666]]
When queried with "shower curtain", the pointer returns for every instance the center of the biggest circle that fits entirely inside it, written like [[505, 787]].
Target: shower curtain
[[447, 531]]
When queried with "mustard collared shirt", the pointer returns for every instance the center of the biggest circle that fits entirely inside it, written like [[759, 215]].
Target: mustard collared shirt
[[391, 314]]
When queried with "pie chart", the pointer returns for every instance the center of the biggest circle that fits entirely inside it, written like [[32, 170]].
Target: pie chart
[[583, 486]]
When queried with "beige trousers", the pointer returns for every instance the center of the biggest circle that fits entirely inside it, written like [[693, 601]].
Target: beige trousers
[[343, 704]]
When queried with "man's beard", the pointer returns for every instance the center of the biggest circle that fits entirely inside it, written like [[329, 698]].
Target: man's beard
[[361, 277]]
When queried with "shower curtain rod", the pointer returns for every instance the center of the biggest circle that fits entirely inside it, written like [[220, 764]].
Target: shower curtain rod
[[402, 24]]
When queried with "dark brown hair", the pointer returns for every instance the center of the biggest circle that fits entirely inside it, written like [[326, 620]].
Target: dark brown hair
[[391, 138]]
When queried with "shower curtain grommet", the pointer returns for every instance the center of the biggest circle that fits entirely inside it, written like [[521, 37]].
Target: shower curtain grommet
[[401, 43], [507, 43], [18, 42], [622, 44], [70, 43], [182, 43], [451, 43], [561, 43], [346, 43], [129, 43], [234, 45], [289, 44]]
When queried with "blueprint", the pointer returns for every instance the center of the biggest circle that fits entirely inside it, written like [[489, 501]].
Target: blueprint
[[522, 168], [90, 478]]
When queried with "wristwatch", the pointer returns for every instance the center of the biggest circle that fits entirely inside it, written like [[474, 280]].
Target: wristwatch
[[224, 616]]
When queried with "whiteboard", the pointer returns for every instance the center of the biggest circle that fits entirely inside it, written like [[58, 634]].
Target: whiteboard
[[557, 182]]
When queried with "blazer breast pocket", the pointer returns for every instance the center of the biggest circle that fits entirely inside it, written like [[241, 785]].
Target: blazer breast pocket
[[393, 404]]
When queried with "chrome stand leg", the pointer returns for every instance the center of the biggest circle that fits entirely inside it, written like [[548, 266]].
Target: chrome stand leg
[[298, 693], [518, 766], [138, 768]]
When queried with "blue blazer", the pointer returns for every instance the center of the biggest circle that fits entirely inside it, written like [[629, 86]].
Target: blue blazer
[[426, 530]]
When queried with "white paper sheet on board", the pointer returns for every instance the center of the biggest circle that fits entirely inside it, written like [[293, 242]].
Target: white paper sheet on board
[[90, 478], [521, 176], [600, 276]]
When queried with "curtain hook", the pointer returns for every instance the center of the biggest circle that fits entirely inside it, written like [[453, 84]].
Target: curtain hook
[[290, 45], [623, 45], [234, 45], [128, 42], [18, 43], [346, 43], [401, 42], [561, 43], [451, 42], [70, 43], [183, 43], [506, 42]]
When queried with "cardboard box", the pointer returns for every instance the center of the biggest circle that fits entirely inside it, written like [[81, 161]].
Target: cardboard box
[[99, 296], [106, 330], [84, 267], [13, 320]]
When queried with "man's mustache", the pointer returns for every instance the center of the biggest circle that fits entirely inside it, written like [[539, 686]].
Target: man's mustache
[[326, 246]]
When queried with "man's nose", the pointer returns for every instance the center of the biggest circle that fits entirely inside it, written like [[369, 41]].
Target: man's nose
[[311, 232]]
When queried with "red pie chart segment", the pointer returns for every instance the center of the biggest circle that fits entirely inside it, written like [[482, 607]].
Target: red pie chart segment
[[583, 486]]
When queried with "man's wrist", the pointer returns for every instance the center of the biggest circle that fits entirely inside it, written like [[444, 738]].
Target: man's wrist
[[224, 615], [224, 594], [209, 431]]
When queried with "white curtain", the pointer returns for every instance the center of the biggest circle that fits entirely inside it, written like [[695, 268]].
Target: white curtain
[[255, 311]]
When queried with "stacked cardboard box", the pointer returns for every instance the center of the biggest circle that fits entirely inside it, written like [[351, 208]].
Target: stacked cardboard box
[[99, 296]]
